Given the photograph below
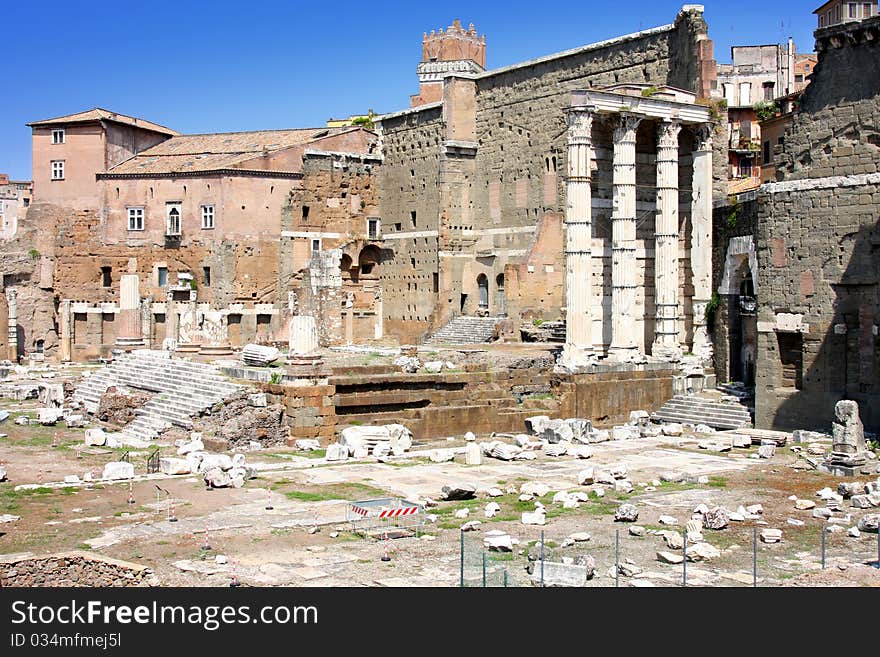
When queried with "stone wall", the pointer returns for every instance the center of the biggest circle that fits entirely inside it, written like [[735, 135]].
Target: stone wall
[[818, 233], [74, 568], [498, 185]]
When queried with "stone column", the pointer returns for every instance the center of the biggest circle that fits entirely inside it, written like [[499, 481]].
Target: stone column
[[129, 334], [12, 323], [64, 326], [624, 345], [666, 244], [170, 342], [189, 339], [349, 318], [701, 239], [147, 322], [578, 350], [303, 335]]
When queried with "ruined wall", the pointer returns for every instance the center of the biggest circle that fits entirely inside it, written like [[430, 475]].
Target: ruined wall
[[75, 568], [490, 211], [409, 198], [818, 232]]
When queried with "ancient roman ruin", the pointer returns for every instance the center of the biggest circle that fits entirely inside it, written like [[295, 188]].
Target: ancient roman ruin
[[371, 352]]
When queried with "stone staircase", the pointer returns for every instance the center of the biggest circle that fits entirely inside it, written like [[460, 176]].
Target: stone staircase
[[694, 409], [183, 389], [465, 330]]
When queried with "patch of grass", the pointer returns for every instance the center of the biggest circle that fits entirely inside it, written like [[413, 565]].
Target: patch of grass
[[716, 481], [409, 463], [83, 546], [279, 531], [11, 499], [343, 491], [501, 556]]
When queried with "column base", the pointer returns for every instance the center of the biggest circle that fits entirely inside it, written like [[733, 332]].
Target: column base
[[702, 345], [189, 348], [626, 355], [574, 357], [129, 343], [216, 349], [671, 353]]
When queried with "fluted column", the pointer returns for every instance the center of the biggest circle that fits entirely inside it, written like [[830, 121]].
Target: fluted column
[[12, 322], [701, 239], [130, 333], [578, 349], [171, 322], [64, 325], [623, 240], [303, 338], [666, 244]]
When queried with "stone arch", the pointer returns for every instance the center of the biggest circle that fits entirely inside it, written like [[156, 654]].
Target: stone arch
[[368, 258], [483, 287], [740, 250]]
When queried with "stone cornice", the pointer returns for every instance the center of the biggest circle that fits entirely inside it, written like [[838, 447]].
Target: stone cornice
[[645, 106]]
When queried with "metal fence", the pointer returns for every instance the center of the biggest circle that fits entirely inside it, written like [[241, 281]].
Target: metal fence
[[542, 561]]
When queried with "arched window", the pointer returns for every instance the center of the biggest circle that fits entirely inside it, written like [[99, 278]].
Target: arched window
[[483, 284]]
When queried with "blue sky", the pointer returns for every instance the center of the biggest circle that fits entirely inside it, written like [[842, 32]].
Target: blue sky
[[218, 66]]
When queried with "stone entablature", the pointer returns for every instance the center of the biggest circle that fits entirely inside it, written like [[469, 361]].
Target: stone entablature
[[436, 71]]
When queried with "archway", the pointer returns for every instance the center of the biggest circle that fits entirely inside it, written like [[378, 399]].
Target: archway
[[502, 300], [483, 285]]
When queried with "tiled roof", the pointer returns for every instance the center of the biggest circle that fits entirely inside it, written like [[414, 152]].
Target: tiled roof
[[99, 114], [225, 150]]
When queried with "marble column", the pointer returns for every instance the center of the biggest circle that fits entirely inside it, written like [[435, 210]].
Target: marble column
[[12, 323], [578, 350], [379, 327], [666, 244], [624, 344], [189, 334], [303, 335], [147, 322], [129, 334], [701, 239], [65, 326], [171, 321]]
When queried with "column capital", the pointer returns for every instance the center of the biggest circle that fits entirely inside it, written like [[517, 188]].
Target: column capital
[[667, 133], [580, 122], [627, 124], [703, 137]]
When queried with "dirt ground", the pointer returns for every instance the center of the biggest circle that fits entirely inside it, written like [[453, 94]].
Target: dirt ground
[[275, 547]]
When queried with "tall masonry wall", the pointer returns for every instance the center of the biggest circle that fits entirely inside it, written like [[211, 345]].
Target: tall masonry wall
[[818, 237], [517, 173]]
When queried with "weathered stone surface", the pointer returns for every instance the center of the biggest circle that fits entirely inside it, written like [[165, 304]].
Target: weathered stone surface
[[217, 478], [536, 517], [222, 461], [434, 366], [462, 513], [618, 471], [716, 518], [669, 557], [586, 476], [554, 450], [804, 505], [848, 489], [557, 431], [536, 425], [258, 400], [497, 541], [492, 509], [336, 452], [536, 488], [172, 466], [118, 470], [674, 540], [95, 437], [561, 574], [623, 486], [258, 355], [766, 451], [869, 523], [473, 455], [307, 444], [458, 492], [441, 455], [702, 552], [3, 473], [74, 421], [626, 513], [501, 451], [672, 429], [847, 435], [118, 407], [673, 476], [580, 451], [8, 517], [769, 535], [195, 445], [625, 432]]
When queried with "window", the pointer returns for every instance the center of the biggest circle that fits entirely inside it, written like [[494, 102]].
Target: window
[[106, 279], [768, 90], [373, 228], [412, 217], [135, 218], [766, 151], [172, 225], [162, 276], [868, 10], [853, 10], [207, 217], [799, 78], [745, 93], [207, 272], [57, 169], [305, 213], [745, 168], [58, 136], [316, 244]]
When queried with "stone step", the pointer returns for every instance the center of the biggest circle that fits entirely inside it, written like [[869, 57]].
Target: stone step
[[699, 410]]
